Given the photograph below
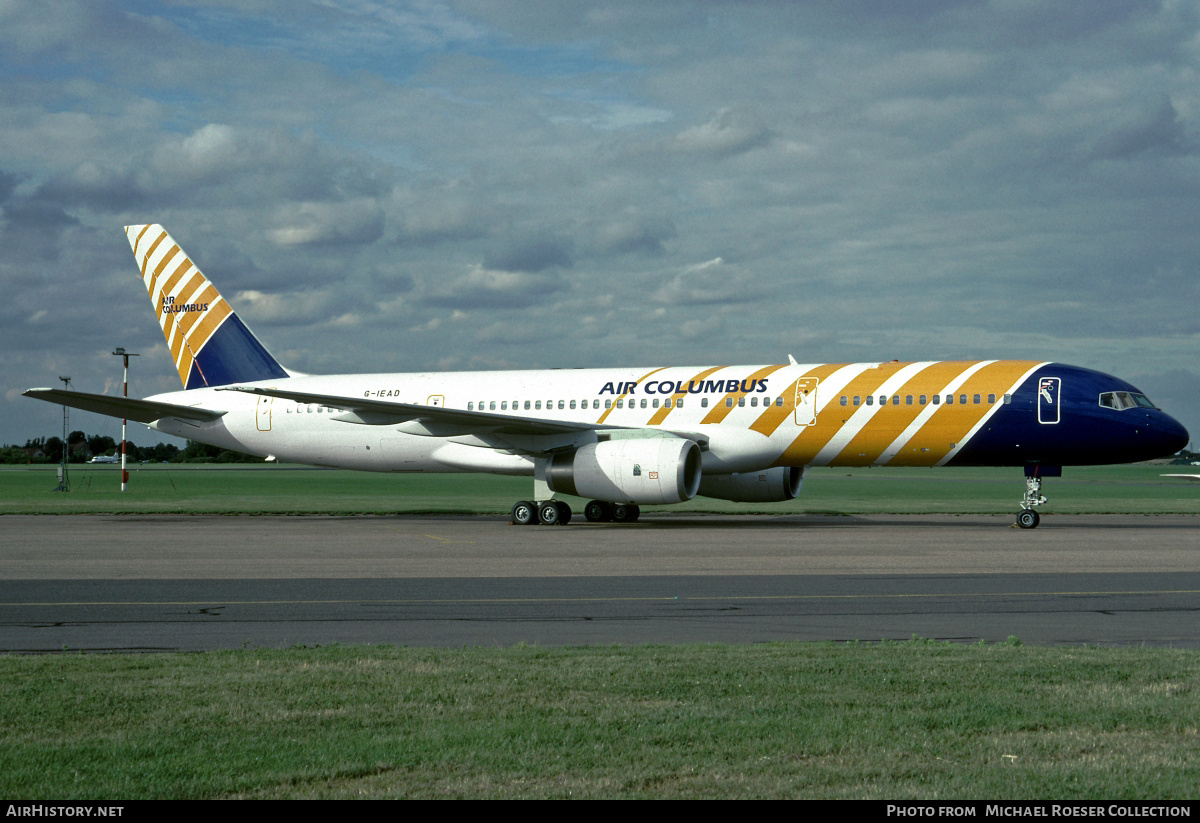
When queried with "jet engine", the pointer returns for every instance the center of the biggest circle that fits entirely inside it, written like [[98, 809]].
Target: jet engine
[[768, 486], [643, 470]]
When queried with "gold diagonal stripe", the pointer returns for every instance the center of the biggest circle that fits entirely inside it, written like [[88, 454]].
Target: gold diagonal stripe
[[773, 417], [722, 411], [831, 419], [948, 425], [661, 414], [149, 252], [640, 380], [889, 421]]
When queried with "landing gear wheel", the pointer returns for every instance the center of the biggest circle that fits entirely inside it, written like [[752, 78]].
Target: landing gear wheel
[[523, 514], [625, 512], [554, 513], [564, 513], [548, 513], [597, 511], [1028, 519]]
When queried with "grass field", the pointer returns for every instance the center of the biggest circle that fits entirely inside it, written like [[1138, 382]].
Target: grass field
[[914, 720], [892, 721], [273, 489]]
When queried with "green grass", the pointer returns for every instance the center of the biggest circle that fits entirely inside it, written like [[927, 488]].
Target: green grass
[[271, 489], [908, 720]]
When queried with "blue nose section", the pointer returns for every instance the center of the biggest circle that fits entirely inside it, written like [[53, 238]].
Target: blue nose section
[[1173, 435]]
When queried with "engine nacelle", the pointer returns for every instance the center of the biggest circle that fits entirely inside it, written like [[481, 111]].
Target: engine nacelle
[[644, 470], [768, 486]]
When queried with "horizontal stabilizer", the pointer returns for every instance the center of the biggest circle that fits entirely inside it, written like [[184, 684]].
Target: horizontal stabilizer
[[143, 411]]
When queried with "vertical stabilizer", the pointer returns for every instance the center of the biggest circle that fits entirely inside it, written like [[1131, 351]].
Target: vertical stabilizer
[[210, 345]]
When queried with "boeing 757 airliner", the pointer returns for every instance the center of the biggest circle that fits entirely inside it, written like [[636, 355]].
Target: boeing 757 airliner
[[627, 436]]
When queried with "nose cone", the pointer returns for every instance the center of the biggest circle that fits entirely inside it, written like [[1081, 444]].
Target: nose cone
[[1174, 436]]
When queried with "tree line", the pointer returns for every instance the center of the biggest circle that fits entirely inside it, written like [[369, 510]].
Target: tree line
[[82, 447]]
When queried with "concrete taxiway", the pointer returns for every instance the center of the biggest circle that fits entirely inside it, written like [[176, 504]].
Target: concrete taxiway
[[177, 582]]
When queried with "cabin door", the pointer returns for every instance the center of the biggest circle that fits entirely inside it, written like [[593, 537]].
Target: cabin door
[[1048, 399], [263, 413], [806, 401]]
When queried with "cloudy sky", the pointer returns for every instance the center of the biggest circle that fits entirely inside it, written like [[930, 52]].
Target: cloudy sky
[[446, 184]]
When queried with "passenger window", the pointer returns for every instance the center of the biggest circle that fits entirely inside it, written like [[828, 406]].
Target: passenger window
[[949, 400], [572, 404], [470, 406], [620, 403], [883, 399], [896, 400], [741, 401], [560, 404], [643, 402], [778, 401], [991, 398], [962, 398], [679, 403], [1008, 398], [729, 402], [856, 399], [704, 402], [923, 399], [667, 403], [870, 400], [537, 404], [908, 400], [754, 402], [526, 405], [937, 400], [655, 403], [492, 405], [608, 404], [842, 400]]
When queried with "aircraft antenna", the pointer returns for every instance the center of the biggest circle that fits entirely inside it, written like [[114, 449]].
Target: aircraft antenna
[[64, 483]]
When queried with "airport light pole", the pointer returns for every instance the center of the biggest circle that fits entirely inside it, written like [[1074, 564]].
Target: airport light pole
[[125, 355], [64, 484]]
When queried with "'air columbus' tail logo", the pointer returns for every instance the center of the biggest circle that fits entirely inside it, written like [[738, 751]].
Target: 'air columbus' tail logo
[[169, 306]]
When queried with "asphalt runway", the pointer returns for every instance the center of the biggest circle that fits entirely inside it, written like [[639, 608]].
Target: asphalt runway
[[140, 583]]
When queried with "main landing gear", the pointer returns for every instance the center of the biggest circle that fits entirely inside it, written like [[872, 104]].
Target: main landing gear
[[558, 513], [545, 513], [597, 511]]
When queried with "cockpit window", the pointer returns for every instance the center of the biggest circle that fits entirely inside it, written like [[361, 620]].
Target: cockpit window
[[1121, 400]]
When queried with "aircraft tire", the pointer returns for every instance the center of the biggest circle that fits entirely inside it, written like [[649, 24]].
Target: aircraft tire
[[597, 511], [1028, 519], [523, 514], [564, 512], [635, 511], [548, 513], [622, 513]]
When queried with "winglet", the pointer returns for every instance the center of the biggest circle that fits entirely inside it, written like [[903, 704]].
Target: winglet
[[211, 346]]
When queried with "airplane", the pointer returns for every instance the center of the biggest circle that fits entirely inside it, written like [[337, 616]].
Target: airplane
[[626, 437], [105, 459]]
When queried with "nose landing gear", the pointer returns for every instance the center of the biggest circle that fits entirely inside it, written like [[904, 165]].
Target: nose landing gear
[[1028, 518]]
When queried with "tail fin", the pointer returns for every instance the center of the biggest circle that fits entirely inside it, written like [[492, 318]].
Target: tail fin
[[210, 345]]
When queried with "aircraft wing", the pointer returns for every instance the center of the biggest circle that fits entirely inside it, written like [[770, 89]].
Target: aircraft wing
[[1184, 476], [435, 419], [143, 411]]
